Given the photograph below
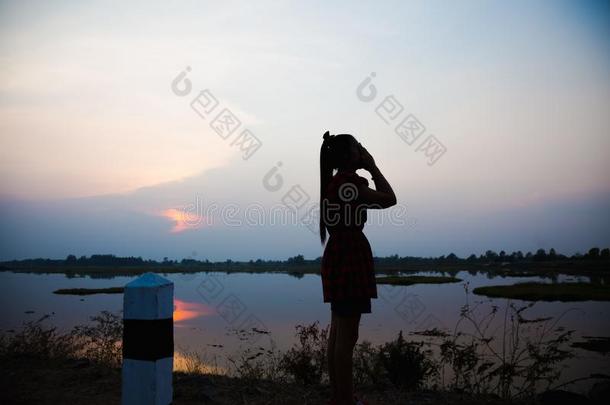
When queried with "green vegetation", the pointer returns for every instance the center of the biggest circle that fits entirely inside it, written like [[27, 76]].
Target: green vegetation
[[548, 291], [411, 280], [594, 264], [89, 291]]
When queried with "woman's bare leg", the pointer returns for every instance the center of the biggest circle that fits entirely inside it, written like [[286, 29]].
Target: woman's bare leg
[[330, 355], [346, 338]]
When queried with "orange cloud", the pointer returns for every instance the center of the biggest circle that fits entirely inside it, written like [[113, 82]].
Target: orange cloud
[[182, 220]]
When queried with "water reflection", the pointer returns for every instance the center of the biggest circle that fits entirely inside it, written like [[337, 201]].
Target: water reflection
[[195, 362], [282, 301], [185, 310]]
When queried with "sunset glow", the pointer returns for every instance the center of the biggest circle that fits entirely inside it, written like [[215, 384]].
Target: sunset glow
[[182, 220], [192, 361], [185, 310], [104, 143]]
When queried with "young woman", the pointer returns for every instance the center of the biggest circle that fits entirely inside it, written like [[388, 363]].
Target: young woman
[[348, 278]]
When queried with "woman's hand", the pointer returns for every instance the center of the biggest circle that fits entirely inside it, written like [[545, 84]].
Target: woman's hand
[[366, 160]]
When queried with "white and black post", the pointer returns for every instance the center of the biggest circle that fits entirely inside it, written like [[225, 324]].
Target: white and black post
[[148, 341]]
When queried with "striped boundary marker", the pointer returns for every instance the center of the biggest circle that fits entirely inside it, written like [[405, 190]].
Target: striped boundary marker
[[148, 341]]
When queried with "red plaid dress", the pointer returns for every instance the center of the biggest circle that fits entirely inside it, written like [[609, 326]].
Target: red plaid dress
[[347, 262]]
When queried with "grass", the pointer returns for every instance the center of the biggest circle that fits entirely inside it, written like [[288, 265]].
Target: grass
[[89, 291], [564, 292], [42, 365], [411, 280]]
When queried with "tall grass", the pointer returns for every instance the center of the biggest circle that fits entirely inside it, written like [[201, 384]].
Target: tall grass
[[99, 341], [37, 340], [523, 357], [501, 351]]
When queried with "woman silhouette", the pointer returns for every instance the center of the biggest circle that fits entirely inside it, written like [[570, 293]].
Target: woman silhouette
[[348, 278]]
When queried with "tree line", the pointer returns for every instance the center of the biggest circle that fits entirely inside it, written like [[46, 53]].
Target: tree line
[[490, 256]]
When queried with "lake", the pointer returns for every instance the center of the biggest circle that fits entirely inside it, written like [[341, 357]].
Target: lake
[[209, 306]]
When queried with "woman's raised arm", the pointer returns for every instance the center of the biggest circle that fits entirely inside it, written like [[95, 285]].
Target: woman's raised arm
[[383, 196]]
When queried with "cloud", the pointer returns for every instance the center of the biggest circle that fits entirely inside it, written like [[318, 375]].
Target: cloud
[[182, 219]]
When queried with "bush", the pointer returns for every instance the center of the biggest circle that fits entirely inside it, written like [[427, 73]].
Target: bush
[[39, 341], [306, 362], [102, 341], [367, 368], [406, 365]]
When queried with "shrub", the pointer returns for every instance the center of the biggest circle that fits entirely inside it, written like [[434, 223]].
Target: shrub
[[366, 366], [406, 364], [306, 362], [102, 341], [40, 341]]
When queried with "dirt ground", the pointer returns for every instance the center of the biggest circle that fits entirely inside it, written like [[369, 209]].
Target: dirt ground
[[72, 382]]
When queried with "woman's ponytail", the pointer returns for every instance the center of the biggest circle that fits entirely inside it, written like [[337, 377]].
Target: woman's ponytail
[[326, 174]]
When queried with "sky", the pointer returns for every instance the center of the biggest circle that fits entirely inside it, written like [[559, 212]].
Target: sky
[[111, 134]]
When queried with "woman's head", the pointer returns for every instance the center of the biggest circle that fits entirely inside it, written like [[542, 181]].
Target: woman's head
[[341, 152]]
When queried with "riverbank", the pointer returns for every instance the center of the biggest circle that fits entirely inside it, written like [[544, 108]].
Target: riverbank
[[594, 270], [33, 380], [44, 366]]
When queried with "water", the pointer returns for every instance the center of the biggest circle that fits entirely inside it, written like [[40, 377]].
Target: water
[[279, 302]]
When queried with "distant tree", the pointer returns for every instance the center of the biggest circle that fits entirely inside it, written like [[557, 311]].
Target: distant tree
[[451, 257], [472, 258], [605, 253], [501, 257], [490, 254], [552, 254], [188, 262], [593, 253], [528, 255], [296, 260], [71, 259], [540, 255]]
